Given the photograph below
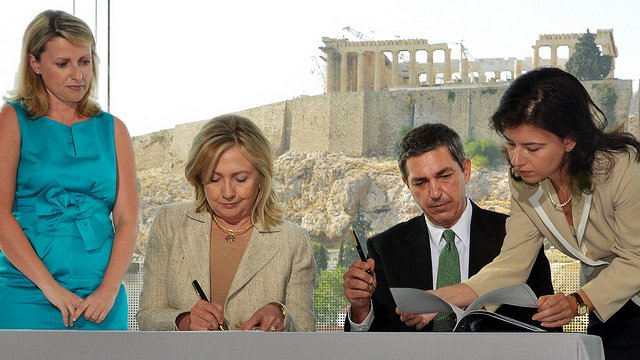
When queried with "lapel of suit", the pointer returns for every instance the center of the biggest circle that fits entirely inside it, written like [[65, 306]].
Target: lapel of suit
[[263, 246], [557, 224], [483, 246], [196, 246], [418, 254]]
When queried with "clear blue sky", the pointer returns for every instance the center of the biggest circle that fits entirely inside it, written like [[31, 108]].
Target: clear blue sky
[[196, 59]]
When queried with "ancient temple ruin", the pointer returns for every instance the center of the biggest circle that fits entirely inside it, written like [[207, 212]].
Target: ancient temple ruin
[[395, 64], [604, 38]]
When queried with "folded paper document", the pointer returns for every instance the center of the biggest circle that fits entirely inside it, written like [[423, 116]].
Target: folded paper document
[[474, 317]]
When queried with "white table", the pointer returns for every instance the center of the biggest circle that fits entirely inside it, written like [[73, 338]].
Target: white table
[[70, 345]]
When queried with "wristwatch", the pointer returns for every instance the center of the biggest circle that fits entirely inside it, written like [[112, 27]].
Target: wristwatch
[[583, 309]]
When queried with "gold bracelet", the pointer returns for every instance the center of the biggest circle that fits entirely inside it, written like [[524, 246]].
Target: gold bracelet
[[284, 313]]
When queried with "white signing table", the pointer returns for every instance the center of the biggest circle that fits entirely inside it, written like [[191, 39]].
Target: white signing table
[[69, 345]]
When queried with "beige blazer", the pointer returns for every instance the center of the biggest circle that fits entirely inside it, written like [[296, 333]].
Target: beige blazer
[[277, 265], [605, 237]]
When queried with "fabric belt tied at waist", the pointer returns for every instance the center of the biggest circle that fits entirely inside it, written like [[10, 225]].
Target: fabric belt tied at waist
[[59, 211]]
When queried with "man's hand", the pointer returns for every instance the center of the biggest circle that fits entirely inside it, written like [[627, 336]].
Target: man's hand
[[358, 287], [417, 320]]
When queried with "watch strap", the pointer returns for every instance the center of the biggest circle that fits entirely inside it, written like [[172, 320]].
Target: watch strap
[[582, 309]]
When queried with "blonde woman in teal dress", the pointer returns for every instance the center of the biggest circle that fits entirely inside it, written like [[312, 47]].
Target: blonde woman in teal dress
[[68, 202]]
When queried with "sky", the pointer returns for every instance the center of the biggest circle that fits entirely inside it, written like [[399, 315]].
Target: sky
[[176, 62]]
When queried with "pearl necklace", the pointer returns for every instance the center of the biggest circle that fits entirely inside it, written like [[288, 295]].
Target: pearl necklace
[[231, 233], [556, 205]]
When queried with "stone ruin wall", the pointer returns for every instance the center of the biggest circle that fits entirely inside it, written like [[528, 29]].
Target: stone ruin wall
[[369, 123]]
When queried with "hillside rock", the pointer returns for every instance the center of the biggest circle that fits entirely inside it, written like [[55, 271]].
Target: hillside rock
[[320, 191]]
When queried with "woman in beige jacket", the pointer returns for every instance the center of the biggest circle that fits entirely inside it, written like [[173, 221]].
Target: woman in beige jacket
[[579, 187], [256, 271]]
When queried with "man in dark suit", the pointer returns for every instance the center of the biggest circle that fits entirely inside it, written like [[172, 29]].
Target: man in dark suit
[[434, 168]]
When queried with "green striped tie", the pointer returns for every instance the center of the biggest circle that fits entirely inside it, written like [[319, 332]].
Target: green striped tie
[[448, 274]]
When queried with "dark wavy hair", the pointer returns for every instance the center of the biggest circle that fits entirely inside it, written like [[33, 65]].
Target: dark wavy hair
[[554, 100], [428, 137]]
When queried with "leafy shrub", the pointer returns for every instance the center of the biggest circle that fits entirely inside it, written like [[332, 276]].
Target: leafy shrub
[[321, 255], [329, 298], [484, 153], [489, 91]]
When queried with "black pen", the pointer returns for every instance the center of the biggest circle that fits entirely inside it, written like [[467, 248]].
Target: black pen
[[358, 247], [203, 296]]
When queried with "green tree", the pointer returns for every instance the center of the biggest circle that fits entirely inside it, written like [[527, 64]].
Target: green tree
[[329, 298], [484, 153], [321, 255], [348, 253], [587, 62]]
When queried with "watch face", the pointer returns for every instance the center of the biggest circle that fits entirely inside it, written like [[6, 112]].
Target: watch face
[[583, 309]]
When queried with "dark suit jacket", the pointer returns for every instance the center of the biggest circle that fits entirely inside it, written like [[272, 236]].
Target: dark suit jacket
[[403, 259]]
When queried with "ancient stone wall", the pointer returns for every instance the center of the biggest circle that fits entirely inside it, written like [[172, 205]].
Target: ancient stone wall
[[601, 90], [370, 123], [388, 114], [310, 123], [274, 123]]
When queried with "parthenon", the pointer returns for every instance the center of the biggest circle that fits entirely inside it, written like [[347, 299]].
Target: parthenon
[[392, 64]]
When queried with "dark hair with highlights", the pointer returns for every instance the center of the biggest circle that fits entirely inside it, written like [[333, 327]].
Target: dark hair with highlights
[[220, 134], [554, 100]]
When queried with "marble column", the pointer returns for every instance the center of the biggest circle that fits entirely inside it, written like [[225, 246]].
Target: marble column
[[331, 73], [413, 69], [447, 64], [554, 55], [431, 74], [360, 74], [395, 70], [378, 61], [344, 75]]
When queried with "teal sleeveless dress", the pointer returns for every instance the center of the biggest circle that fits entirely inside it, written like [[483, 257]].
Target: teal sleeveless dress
[[65, 191]]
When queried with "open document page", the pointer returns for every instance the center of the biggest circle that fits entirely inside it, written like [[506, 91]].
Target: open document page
[[422, 302]]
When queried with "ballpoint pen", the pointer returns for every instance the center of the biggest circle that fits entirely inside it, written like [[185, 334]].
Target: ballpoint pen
[[358, 247], [203, 296]]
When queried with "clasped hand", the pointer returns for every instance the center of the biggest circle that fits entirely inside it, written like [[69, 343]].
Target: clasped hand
[[94, 308]]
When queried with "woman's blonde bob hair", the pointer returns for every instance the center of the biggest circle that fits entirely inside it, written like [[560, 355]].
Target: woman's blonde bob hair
[[29, 85], [220, 134]]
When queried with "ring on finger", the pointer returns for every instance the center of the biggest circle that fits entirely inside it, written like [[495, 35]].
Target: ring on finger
[[272, 328]]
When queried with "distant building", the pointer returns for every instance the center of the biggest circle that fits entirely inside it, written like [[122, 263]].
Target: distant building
[[394, 64]]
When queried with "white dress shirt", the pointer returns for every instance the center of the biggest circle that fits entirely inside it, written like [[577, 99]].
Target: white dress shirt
[[462, 228]]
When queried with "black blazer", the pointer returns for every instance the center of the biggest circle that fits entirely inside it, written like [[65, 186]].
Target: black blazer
[[403, 259]]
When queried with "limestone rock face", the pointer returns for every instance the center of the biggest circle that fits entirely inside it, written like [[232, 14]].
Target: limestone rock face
[[320, 191], [323, 192]]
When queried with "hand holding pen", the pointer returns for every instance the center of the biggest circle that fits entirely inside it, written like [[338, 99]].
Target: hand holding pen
[[203, 296], [356, 242], [359, 283]]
